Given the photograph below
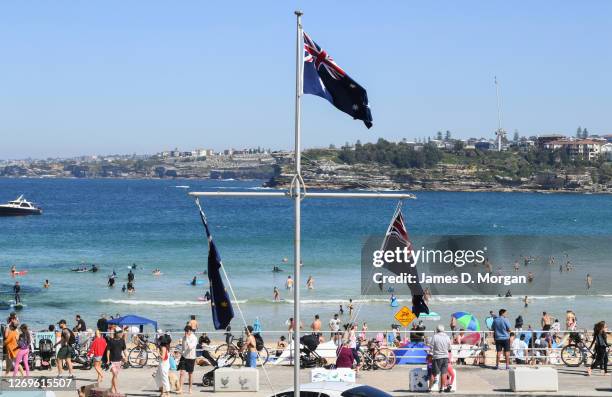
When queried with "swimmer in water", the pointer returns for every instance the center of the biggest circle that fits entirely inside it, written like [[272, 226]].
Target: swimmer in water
[[276, 295], [589, 281], [46, 284], [123, 289], [111, 281], [341, 310], [194, 281], [530, 277], [289, 283], [13, 270], [310, 282], [526, 301], [350, 307]]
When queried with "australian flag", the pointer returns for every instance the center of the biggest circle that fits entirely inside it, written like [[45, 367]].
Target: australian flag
[[323, 77], [222, 311], [397, 237]]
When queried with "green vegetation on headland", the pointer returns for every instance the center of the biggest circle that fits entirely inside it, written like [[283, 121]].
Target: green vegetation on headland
[[451, 165]]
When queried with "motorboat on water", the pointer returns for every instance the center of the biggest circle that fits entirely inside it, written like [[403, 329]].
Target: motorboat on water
[[19, 206]]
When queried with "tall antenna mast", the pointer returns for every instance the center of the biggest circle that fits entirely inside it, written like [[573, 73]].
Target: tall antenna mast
[[500, 133]]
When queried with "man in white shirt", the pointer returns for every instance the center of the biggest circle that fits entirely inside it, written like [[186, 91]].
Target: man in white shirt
[[519, 350], [188, 355], [334, 327]]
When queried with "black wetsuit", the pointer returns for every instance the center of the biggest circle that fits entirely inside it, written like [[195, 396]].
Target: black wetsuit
[[130, 276], [17, 290]]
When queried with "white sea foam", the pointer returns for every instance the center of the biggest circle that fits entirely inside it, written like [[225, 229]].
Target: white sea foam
[[159, 303]]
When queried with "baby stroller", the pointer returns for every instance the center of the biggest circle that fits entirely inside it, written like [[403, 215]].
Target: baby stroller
[[308, 356], [46, 353]]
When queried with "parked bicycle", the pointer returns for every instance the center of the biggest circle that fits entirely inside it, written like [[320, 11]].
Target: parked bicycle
[[145, 352], [227, 353], [376, 357]]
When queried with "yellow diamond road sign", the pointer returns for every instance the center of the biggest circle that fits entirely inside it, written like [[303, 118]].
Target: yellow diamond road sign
[[405, 316]]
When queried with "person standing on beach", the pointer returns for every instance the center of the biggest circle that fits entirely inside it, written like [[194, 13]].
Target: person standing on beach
[[23, 352], [97, 349], [64, 354], [193, 323], [250, 345], [188, 356], [501, 335], [10, 346], [115, 355], [526, 301], [601, 348], [334, 327], [546, 321], [440, 347], [316, 326], [162, 376]]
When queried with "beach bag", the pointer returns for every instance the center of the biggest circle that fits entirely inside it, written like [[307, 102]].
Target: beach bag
[[259, 342]]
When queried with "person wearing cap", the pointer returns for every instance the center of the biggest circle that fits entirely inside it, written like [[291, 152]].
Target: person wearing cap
[[64, 354], [187, 361], [440, 346], [115, 355]]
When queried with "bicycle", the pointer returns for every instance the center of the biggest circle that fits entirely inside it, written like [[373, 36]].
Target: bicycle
[[227, 353], [576, 352], [376, 357], [138, 356]]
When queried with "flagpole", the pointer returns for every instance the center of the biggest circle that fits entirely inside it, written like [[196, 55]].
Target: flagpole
[[297, 197]]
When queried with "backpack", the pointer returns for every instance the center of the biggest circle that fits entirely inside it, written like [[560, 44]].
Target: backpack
[[71, 338], [259, 342]]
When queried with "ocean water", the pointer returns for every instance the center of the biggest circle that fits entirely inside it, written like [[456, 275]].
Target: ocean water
[[154, 224]]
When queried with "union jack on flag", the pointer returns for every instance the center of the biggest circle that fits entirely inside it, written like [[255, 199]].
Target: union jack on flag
[[323, 77]]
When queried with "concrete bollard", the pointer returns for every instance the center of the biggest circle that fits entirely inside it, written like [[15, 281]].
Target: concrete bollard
[[236, 380], [534, 379]]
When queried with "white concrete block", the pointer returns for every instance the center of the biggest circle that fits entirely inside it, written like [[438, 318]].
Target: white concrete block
[[419, 381], [534, 379], [236, 380]]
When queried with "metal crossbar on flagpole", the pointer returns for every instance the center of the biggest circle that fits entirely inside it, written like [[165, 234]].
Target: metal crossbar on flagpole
[[298, 192]]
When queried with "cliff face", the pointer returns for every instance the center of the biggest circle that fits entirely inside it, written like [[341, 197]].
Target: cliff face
[[324, 174]]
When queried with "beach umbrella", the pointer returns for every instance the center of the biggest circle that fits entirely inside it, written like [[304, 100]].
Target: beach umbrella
[[468, 322]]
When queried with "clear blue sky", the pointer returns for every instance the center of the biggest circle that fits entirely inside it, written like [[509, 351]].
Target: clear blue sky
[[109, 76]]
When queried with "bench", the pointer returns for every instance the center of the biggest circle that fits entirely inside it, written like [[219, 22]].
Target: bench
[[534, 379]]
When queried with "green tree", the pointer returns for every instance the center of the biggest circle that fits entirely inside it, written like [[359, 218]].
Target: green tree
[[448, 136], [585, 133], [439, 135], [516, 136], [579, 132]]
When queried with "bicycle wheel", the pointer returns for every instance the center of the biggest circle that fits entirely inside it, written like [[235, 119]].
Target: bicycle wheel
[[364, 360], [571, 355], [262, 357], [226, 355], [390, 359], [138, 357]]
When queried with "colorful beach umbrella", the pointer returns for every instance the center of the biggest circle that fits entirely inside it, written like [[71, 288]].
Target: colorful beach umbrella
[[468, 322]]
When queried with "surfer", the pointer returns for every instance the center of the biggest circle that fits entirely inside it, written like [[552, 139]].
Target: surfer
[[276, 295], [508, 294], [194, 281], [207, 295], [16, 291], [276, 269], [46, 284], [123, 289], [133, 266]]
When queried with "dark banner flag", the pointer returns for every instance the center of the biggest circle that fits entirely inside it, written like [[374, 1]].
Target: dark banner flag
[[324, 78], [397, 238], [222, 311]]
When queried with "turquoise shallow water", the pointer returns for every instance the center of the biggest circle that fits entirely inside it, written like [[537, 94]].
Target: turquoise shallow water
[[114, 223]]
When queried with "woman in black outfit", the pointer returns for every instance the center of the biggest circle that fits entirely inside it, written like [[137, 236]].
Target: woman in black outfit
[[601, 347]]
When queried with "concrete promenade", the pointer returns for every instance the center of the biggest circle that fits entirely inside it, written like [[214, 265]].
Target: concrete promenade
[[471, 381]]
